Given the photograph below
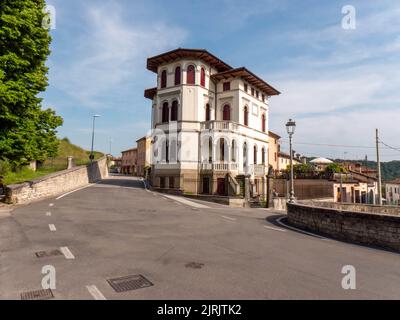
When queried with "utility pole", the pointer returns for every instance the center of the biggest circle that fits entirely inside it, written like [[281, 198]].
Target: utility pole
[[378, 162]]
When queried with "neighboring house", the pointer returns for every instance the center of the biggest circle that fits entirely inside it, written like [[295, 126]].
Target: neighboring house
[[359, 168], [284, 161], [273, 150], [143, 155], [118, 164], [213, 121], [320, 164], [129, 161], [392, 189]]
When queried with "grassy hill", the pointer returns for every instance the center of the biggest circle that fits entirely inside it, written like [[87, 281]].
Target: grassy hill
[[51, 165]]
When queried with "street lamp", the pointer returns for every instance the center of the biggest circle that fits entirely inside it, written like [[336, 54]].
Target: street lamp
[[290, 127], [91, 150]]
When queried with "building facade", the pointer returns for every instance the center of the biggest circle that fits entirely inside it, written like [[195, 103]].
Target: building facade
[[210, 124], [143, 156], [129, 161], [392, 190], [273, 150]]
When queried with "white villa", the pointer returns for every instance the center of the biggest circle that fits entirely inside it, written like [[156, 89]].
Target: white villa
[[210, 124]]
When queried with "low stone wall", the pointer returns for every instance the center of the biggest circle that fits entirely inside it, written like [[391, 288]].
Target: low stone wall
[[57, 183], [367, 224]]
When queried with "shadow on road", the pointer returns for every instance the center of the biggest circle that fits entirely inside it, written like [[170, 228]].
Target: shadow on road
[[122, 181]]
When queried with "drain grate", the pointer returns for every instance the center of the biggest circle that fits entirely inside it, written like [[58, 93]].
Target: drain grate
[[51, 253], [194, 265], [43, 294], [129, 283]]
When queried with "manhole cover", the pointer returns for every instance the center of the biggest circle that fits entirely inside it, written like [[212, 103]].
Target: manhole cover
[[129, 283], [194, 265], [42, 254], [37, 295]]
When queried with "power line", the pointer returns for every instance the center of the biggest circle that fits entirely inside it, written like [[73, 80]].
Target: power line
[[338, 145], [390, 147]]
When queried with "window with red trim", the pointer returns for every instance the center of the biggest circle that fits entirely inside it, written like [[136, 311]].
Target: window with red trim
[[165, 112], [227, 113], [190, 75], [203, 77], [178, 76], [174, 111], [263, 122], [226, 86]]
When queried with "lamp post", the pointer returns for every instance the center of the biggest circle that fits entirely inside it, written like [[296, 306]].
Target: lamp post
[[91, 150], [290, 127]]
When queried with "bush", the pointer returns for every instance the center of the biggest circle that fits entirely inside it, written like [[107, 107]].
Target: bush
[[5, 167]]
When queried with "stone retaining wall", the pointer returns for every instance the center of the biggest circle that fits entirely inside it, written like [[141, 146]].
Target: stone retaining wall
[[371, 225], [57, 183]]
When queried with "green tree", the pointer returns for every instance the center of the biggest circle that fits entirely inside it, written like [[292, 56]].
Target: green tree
[[26, 131], [334, 168]]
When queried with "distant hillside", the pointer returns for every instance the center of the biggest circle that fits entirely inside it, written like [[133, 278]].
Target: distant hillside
[[390, 170], [66, 149]]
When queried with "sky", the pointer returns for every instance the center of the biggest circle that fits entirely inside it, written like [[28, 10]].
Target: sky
[[339, 84]]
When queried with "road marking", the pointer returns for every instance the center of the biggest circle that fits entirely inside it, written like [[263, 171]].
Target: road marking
[[276, 229], [68, 193], [52, 227], [96, 294], [187, 202], [67, 253], [229, 218], [48, 213], [299, 230], [51, 204]]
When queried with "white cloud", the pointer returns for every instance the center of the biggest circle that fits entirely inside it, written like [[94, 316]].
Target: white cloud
[[110, 51]]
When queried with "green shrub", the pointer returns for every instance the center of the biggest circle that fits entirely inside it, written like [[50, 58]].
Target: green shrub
[[5, 167]]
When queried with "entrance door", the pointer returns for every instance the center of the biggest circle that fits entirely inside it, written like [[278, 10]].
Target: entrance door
[[221, 186], [206, 185]]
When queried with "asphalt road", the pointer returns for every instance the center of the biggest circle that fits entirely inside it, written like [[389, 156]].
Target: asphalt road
[[187, 249]]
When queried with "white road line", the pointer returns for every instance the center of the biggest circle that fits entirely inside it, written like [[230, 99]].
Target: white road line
[[187, 202], [229, 218], [68, 193], [52, 227], [96, 294], [67, 253], [51, 204], [48, 213], [276, 229], [299, 230]]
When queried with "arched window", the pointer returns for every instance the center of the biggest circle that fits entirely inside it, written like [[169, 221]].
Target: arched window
[[164, 79], [208, 112], [210, 150], [174, 111], [255, 154], [263, 156], [244, 155], [165, 112], [190, 75], [203, 77], [226, 113], [178, 76], [233, 157], [263, 122], [222, 149], [246, 116]]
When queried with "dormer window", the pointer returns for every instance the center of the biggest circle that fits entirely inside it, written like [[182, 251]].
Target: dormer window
[[226, 86]]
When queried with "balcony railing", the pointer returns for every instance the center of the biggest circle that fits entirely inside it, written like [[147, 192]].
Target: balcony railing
[[219, 125], [219, 166]]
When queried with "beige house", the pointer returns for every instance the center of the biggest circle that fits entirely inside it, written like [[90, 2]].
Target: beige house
[[143, 155], [210, 124], [273, 150], [392, 189], [129, 161], [284, 161]]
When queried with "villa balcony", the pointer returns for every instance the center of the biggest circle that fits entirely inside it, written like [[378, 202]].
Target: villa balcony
[[219, 125], [219, 166]]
